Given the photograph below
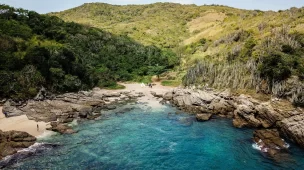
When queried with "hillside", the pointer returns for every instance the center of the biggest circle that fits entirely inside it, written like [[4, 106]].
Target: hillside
[[220, 46], [39, 50]]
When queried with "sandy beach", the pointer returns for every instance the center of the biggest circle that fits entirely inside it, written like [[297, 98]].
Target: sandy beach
[[22, 123]]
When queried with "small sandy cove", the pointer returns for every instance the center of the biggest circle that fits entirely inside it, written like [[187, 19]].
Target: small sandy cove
[[22, 123]]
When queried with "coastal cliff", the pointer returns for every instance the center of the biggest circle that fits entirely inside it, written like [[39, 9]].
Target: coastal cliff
[[244, 110]]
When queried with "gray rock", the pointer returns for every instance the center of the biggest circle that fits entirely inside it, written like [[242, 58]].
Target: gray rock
[[113, 94], [156, 94], [292, 127], [168, 96], [203, 117], [11, 110]]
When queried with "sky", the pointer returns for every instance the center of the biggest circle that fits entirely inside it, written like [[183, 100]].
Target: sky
[[46, 6]]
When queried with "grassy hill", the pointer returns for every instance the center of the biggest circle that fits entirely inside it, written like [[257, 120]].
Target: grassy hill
[[170, 25], [219, 46]]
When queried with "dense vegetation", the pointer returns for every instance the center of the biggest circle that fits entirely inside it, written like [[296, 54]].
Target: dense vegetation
[[40, 50], [220, 46]]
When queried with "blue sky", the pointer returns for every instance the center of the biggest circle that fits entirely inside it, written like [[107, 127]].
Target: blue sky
[[45, 6]]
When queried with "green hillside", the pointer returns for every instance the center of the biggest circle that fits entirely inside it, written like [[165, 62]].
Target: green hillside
[[40, 50], [220, 46]]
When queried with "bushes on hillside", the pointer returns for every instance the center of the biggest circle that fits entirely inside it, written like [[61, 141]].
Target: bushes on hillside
[[39, 50]]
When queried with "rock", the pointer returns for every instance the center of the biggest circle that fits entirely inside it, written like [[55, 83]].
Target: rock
[[61, 128], [12, 141], [168, 96], [207, 97], [222, 107], [11, 109], [203, 117], [156, 95], [269, 141], [41, 94], [267, 115], [113, 94], [292, 128], [186, 121], [111, 107], [94, 116], [95, 89], [84, 112], [244, 116], [139, 94], [226, 95]]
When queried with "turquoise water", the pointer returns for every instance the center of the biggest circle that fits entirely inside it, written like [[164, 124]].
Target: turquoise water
[[146, 138]]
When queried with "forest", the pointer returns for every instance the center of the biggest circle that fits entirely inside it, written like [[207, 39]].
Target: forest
[[44, 51]]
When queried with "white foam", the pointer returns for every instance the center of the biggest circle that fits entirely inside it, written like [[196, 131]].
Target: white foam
[[73, 123], [31, 148], [46, 134], [256, 146], [172, 144]]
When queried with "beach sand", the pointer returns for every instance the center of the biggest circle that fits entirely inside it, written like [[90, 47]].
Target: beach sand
[[22, 123]]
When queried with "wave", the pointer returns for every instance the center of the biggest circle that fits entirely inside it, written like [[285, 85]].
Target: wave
[[46, 134], [25, 153]]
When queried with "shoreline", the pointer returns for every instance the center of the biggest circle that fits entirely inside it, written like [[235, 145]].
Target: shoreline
[[22, 123]]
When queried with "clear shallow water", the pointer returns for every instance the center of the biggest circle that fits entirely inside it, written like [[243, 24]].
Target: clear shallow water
[[152, 139]]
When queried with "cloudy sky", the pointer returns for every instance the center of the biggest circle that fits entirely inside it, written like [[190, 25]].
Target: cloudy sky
[[45, 6]]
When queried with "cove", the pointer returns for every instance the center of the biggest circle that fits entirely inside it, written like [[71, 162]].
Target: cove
[[156, 138]]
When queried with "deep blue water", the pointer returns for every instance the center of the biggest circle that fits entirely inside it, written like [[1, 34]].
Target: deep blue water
[[147, 138]]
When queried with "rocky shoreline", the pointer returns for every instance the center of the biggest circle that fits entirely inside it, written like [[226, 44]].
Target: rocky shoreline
[[59, 111], [273, 121]]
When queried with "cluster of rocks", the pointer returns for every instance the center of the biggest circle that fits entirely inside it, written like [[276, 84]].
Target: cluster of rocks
[[59, 111], [244, 110], [269, 141], [65, 108], [12, 141]]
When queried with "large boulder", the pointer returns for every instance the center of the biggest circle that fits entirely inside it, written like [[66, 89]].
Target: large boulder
[[292, 128], [168, 95], [222, 107], [156, 94], [244, 116], [203, 117], [11, 109], [61, 128], [267, 115], [207, 97], [12, 141]]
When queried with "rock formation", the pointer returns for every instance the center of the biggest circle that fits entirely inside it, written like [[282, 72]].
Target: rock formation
[[12, 141], [244, 110], [269, 140]]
